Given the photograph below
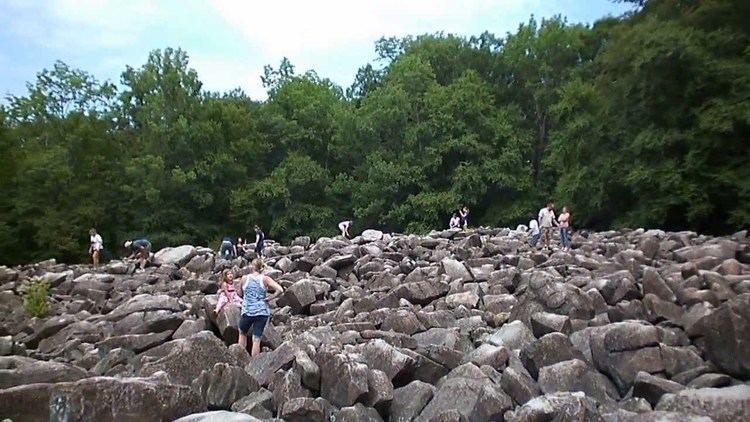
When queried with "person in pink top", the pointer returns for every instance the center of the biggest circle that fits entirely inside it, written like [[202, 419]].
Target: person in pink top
[[227, 294], [563, 220]]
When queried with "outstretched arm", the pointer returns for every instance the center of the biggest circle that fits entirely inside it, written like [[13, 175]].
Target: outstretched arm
[[276, 287]]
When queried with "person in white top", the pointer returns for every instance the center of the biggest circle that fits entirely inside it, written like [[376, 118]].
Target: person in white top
[[96, 244], [455, 222], [534, 230], [344, 227], [546, 222]]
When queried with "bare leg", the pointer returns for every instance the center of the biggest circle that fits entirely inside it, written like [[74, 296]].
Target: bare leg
[[256, 346], [242, 340], [95, 257]]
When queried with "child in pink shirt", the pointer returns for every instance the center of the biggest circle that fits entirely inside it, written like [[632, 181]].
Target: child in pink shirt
[[227, 294]]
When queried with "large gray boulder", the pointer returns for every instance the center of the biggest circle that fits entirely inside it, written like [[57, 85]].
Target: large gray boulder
[[556, 407], [343, 379], [179, 256], [623, 349], [185, 359], [223, 385], [720, 404], [99, 399], [409, 400], [727, 336], [20, 370], [218, 416], [469, 392]]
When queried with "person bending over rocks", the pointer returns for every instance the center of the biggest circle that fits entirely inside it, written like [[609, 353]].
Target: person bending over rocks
[[344, 227], [255, 310], [227, 294], [141, 249], [227, 250]]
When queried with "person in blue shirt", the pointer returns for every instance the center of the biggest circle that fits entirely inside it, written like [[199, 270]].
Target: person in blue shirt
[[227, 250], [255, 311], [141, 249]]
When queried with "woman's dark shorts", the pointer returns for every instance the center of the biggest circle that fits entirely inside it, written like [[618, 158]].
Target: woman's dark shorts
[[257, 323]]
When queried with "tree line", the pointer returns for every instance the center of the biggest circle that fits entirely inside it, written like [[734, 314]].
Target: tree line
[[640, 120]]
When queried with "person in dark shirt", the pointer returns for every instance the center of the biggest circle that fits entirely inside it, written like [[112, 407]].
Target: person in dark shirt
[[240, 246], [260, 237], [227, 250], [141, 249]]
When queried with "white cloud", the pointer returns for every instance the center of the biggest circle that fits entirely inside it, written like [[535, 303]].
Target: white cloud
[[223, 74], [288, 27]]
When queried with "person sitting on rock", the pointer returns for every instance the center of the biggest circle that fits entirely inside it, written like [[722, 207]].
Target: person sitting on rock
[[227, 294], [455, 222], [95, 247], [141, 249], [227, 250], [344, 227], [255, 310], [533, 230], [260, 237], [240, 246]]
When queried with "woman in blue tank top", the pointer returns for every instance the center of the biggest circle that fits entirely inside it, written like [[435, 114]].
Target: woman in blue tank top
[[255, 311]]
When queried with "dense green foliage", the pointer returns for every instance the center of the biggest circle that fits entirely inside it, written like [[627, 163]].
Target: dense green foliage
[[36, 297], [642, 120]]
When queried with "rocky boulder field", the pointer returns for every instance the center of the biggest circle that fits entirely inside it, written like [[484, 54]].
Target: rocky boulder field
[[452, 326]]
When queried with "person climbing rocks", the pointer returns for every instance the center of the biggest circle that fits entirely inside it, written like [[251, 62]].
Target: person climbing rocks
[[563, 221], [533, 230], [546, 222], [227, 293], [464, 214], [255, 311], [227, 250], [141, 249], [455, 222], [96, 244], [344, 227], [260, 237]]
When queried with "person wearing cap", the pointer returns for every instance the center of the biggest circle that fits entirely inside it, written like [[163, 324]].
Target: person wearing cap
[[140, 248]]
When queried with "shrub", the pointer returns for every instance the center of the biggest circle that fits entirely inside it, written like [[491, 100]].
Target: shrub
[[35, 298]]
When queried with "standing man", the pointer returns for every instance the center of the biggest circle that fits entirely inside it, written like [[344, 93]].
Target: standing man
[[96, 244], [140, 248], [546, 222], [260, 237], [464, 214]]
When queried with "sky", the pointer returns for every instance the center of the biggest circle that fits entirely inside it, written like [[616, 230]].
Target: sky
[[230, 41]]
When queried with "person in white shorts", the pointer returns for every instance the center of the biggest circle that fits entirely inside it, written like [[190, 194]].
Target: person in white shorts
[[96, 244]]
